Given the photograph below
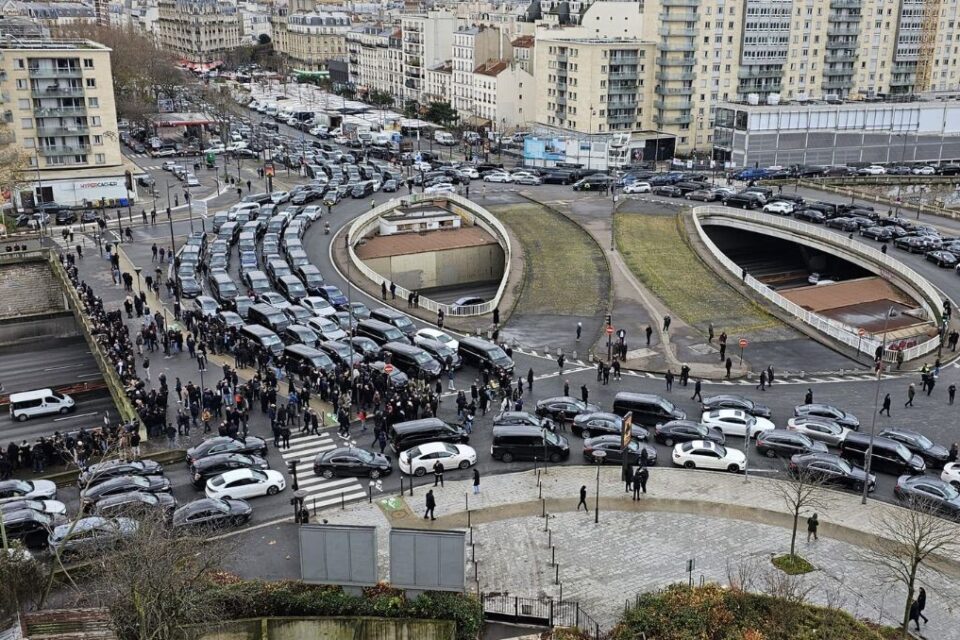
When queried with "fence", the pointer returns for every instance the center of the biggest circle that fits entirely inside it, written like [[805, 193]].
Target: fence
[[501, 607], [461, 206], [843, 333]]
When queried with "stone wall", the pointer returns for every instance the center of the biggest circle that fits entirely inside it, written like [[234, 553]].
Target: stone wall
[[28, 288], [330, 629]]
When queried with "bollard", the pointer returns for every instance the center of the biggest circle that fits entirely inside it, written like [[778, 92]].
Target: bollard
[[343, 501], [370, 493], [557, 578], [553, 556], [401, 485], [466, 499], [468, 517], [476, 574], [314, 506], [546, 523], [540, 490], [543, 511], [473, 553], [471, 535], [561, 592], [550, 539], [411, 485]]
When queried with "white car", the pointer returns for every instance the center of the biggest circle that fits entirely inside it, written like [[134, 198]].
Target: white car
[[327, 328], [419, 461], [637, 187], [168, 165], [725, 191], [275, 299], [872, 170], [245, 483], [318, 306], [470, 172], [779, 207], [437, 335], [498, 176], [192, 181], [822, 429], [442, 187], [924, 171], [279, 197], [28, 489], [735, 422], [704, 454], [422, 166], [526, 178], [951, 473], [313, 212], [52, 507], [214, 150]]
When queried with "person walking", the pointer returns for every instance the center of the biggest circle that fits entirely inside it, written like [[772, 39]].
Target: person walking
[[728, 365], [431, 505], [911, 392], [951, 393], [769, 375], [146, 369], [438, 473], [696, 391], [383, 289], [583, 499], [808, 397], [922, 604], [649, 332], [669, 379], [710, 333], [886, 405], [584, 393], [763, 381], [579, 330], [643, 474], [560, 361], [812, 523], [476, 481], [666, 323]]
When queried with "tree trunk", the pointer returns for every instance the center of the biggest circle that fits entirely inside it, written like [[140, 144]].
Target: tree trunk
[[905, 629], [793, 536]]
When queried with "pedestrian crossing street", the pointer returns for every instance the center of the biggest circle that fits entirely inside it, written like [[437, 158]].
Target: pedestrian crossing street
[[321, 493]]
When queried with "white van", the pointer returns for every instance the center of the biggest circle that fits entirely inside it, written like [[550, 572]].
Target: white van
[[28, 404], [442, 137]]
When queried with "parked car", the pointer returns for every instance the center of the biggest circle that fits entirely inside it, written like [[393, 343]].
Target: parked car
[[91, 534], [836, 414], [421, 459], [734, 422], [588, 425], [929, 492], [103, 471], [246, 483], [351, 461], [831, 469], [704, 454], [675, 431], [251, 445], [563, 408], [933, 454], [823, 429], [611, 446], [781, 442], [734, 401], [212, 513]]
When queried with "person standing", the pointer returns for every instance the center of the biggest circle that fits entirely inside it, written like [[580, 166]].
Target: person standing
[[146, 369], [812, 523], [579, 330], [886, 405], [696, 391], [808, 397], [729, 365], [431, 505], [649, 332], [476, 481], [584, 393], [583, 499], [437, 473], [911, 392], [710, 332], [951, 393], [769, 375], [666, 323], [763, 381], [560, 360], [643, 474], [668, 377], [383, 289]]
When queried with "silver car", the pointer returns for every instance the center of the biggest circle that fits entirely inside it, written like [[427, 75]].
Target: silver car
[[91, 534]]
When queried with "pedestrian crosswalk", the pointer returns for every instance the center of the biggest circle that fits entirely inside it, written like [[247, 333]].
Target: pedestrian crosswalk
[[321, 492]]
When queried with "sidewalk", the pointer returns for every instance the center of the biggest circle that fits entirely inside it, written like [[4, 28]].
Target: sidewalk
[[686, 514]]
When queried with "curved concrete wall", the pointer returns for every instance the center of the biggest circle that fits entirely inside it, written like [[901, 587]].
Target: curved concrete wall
[[856, 252]]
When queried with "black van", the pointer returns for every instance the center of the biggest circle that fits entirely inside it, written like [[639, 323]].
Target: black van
[[223, 289], [413, 361], [308, 359], [264, 337], [397, 319], [888, 455], [379, 332], [268, 316], [526, 442], [648, 409], [479, 352], [404, 435], [291, 288]]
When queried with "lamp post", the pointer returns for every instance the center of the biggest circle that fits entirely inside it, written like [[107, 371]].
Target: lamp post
[[876, 401], [138, 270], [589, 142], [599, 457]]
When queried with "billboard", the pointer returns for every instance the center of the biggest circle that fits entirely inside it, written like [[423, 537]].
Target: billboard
[[338, 554], [544, 149], [427, 560]]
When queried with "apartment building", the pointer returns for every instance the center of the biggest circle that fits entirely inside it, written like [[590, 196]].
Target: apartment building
[[437, 85], [523, 52], [427, 40], [255, 18], [504, 97], [473, 46], [310, 38], [198, 30], [57, 100], [376, 59], [51, 14]]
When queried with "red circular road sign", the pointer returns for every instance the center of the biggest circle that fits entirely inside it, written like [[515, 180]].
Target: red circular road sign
[[743, 342], [861, 332], [609, 330], [388, 368]]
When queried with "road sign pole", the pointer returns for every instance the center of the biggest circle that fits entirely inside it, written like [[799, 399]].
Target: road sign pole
[[743, 343]]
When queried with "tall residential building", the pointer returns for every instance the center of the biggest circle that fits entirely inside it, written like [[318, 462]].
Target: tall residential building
[[427, 41], [198, 30], [309, 37], [57, 99], [472, 47], [376, 59]]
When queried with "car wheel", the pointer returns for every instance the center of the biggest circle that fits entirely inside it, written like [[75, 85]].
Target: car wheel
[[585, 434], [464, 464], [554, 458], [327, 473], [63, 410], [273, 490], [507, 457], [689, 464], [226, 498], [420, 472], [733, 468], [374, 474], [23, 417], [771, 453], [668, 442]]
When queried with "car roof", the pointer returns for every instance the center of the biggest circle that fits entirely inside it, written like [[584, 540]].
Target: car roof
[[236, 474]]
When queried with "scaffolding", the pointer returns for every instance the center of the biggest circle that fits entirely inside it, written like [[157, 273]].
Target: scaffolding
[[928, 45]]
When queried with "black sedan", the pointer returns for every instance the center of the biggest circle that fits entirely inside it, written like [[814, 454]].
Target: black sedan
[[212, 513], [733, 401], [839, 416], [880, 234], [512, 418], [670, 433], [830, 469], [351, 461], [637, 452], [366, 347], [843, 224], [250, 445], [667, 190], [810, 215], [563, 408], [780, 442], [211, 466], [587, 425], [928, 492], [103, 471], [945, 259], [136, 503], [123, 484], [933, 454]]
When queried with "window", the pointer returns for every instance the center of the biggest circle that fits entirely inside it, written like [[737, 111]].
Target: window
[[94, 121], [28, 143], [100, 158], [93, 102], [22, 84], [26, 123], [88, 63], [91, 83], [20, 63], [98, 140]]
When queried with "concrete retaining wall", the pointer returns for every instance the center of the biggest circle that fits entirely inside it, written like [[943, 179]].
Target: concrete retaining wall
[[330, 629], [451, 267], [58, 324], [28, 287]]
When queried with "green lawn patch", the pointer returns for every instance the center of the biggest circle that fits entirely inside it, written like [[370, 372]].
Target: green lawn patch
[[792, 565], [658, 254], [565, 271]]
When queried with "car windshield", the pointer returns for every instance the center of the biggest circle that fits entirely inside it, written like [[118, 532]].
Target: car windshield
[[422, 358], [949, 491], [271, 340], [551, 437], [363, 455], [721, 451], [923, 441]]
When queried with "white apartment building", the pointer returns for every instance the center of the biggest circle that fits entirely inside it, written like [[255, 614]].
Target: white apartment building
[[310, 38], [473, 46], [255, 18], [427, 40], [438, 81], [51, 14], [504, 97], [198, 30], [376, 59]]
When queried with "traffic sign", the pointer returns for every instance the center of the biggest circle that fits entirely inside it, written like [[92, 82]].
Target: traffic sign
[[609, 330], [627, 434], [388, 368], [743, 343], [269, 170]]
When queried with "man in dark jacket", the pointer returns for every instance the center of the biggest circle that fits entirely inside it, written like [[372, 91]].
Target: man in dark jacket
[[583, 499], [437, 473], [431, 505], [640, 481]]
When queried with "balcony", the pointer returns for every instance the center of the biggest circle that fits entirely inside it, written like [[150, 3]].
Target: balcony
[[622, 89], [669, 120], [677, 62], [562, 57], [668, 76], [626, 59], [846, 4], [843, 17], [841, 44], [838, 71], [64, 150], [678, 32], [676, 91], [56, 112], [834, 58], [672, 105], [58, 92], [680, 3], [63, 131], [762, 89], [839, 31], [55, 72], [622, 118], [907, 81], [760, 73], [622, 75], [686, 46], [679, 17], [838, 84], [904, 67]]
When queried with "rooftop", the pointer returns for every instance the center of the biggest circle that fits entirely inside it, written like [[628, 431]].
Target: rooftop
[[50, 45], [492, 68], [523, 42], [930, 101], [409, 243]]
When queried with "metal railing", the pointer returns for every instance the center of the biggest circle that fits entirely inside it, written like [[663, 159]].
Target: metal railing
[[933, 299], [544, 612], [467, 209]]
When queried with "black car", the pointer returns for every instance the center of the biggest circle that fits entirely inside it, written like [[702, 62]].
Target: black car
[[122, 484], [733, 401], [838, 415], [441, 353], [512, 418], [188, 286], [780, 442], [31, 528], [745, 200], [66, 217], [945, 259], [595, 182], [206, 468], [669, 433], [135, 503], [88, 216], [667, 190], [601, 423], [611, 446], [366, 347], [250, 445], [211, 513], [810, 215], [930, 492], [830, 469], [878, 233], [351, 461], [103, 471], [843, 224], [933, 454], [563, 408]]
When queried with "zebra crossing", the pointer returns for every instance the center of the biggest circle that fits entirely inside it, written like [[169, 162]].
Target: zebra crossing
[[321, 492]]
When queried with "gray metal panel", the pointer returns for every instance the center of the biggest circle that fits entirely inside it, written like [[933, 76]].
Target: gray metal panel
[[427, 560], [338, 554]]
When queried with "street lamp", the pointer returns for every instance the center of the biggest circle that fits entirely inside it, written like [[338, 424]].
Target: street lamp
[[599, 457], [891, 312]]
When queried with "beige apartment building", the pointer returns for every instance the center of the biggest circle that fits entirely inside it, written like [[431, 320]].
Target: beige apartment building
[[376, 59], [57, 101], [198, 30], [427, 40], [310, 38]]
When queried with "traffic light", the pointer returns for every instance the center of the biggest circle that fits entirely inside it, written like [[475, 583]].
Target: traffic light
[[128, 179], [609, 319], [292, 467]]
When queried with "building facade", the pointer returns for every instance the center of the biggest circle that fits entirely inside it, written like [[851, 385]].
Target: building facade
[[427, 40], [376, 59], [310, 38], [198, 30]]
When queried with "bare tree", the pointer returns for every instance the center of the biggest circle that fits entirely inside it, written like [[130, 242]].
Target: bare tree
[[13, 162], [21, 576], [802, 492], [907, 539]]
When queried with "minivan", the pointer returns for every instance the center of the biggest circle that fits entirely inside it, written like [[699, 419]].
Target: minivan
[[229, 232], [28, 404], [648, 409], [405, 435], [397, 319], [263, 336], [379, 332], [291, 288], [527, 442], [888, 455], [268, 316], [413, 361], [480, 352], [223, 288], [308, 359]]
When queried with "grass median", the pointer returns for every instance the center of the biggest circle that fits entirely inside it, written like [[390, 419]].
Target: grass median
[[566, 273], [658, 254]]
